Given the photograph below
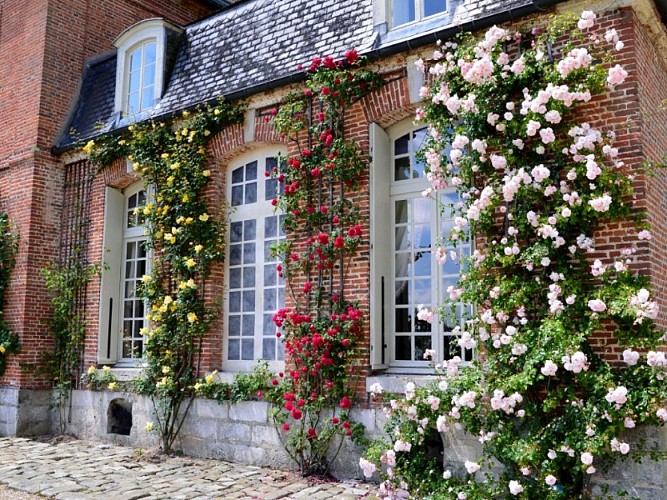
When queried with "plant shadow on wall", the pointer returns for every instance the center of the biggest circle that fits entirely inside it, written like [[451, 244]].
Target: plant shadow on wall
[[537, 183], [9, 342], [186, 240]]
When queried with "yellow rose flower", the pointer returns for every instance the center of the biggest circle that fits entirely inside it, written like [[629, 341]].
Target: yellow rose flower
[[164, 156], [186, 114], [106, 369], [199, 248], [149, 426], [136, 166], [146, 278], [91, 369], [206, 173], [216, 111], [186, 198], [88, 148], [166, 369], [182, 285], [121, 142], [190, 262], [2, 349], [175, 166], [207, 133], [112, 386], [192, 317], [191, 283], [203, 217]]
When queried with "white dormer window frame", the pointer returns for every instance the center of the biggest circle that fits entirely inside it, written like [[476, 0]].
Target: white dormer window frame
[[140, 36]]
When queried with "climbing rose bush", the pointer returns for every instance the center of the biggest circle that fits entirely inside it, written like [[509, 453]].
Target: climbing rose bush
[[537, 184], [322, 328]]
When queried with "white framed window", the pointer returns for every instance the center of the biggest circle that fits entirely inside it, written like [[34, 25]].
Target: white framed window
[[135, 264], [254, 290], [140, 67], [140, 77], [403, 12], [405, 273], [123, 314]]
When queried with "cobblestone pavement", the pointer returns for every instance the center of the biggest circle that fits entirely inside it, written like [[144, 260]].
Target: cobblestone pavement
[[85, 470]]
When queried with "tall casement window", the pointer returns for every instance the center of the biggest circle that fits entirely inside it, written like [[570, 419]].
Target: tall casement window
[[254, 290], [122, 312], [141, 77], [406, 274], [408, 11], [140, 67]]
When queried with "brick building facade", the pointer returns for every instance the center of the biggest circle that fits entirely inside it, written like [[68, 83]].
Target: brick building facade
[[249, 50]]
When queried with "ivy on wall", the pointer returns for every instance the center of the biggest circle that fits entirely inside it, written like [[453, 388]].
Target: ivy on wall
[[187, 240]]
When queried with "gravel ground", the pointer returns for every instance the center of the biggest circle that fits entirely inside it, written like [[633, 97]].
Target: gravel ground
[[10, 494]]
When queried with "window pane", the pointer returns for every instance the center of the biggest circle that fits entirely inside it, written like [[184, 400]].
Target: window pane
[[422, 264], [421, 344], [234, 255], [402, 169], [237, 175], [249, 253], [249, 230], [422, 292], [133, 103], [237, 196], [422, 209], [248, 353], [234, 301], [251, 171], [402, 292], [402, 320], [271, 189], [149, 53], [433, 7], [403, 348], [248, 325], [250, 193], [404, 12], [401, 145], [234, 349], [248, 302], [270, 227], [403, 267], [147, 97], [268, 326], [270, 275], [269, 349], [135, 59], [402, 236], [249, 277], [149, 75], [234, 326], [236, 232], [135, 82], [401, 209], [235, 277], [270, 299]]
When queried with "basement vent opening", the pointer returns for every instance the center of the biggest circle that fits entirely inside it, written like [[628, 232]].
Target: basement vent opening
[[119, 417]]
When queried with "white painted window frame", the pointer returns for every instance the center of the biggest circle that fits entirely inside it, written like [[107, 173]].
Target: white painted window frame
[[142, 32], [384, 13], [384, 191], [258, 211]]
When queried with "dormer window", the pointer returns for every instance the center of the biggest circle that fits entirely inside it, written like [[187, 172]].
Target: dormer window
[[408, 11], [141, 78], [140, 69]]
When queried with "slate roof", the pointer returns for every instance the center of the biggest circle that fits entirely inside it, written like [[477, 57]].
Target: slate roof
[[254, 45]]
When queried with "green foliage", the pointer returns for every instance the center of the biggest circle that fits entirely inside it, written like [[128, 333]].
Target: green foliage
[[187, 241], [323, 330], [538, 184], [9, 342], [62, 366]]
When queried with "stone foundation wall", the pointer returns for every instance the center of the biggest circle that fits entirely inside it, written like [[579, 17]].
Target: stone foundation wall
[[24, 412], [241, 432]]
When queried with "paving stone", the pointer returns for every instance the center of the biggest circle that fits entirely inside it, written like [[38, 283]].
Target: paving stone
[[84, 470]]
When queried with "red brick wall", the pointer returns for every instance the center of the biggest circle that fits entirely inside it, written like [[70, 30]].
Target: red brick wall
[[631, 110], [43, 45]]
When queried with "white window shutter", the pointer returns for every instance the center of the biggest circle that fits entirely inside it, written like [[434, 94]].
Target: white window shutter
[[380, 225], [107, 346]]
